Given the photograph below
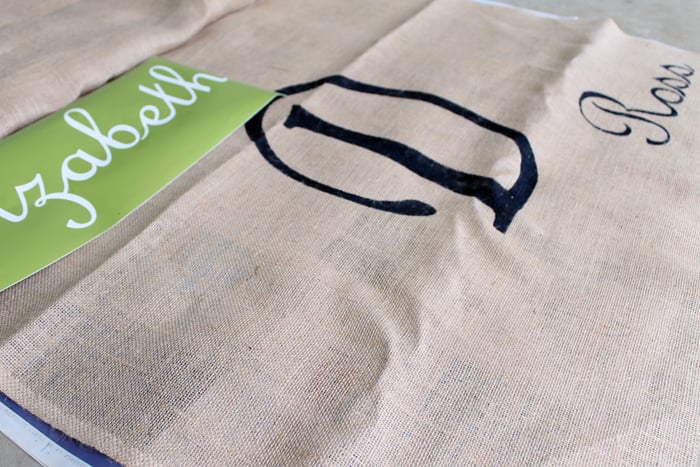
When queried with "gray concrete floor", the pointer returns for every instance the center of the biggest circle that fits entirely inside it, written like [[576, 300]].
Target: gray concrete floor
[[12, 456], [674, 22]]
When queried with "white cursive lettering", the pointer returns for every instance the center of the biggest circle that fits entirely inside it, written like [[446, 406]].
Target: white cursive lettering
[[81, 165]]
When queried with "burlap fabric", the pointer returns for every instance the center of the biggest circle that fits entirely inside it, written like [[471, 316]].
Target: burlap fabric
[[475, 242]]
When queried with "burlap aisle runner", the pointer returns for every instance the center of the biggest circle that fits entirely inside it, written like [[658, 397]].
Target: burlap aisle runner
[[468, 236]]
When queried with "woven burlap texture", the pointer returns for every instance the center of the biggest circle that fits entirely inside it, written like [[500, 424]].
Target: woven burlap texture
[[243, 317]]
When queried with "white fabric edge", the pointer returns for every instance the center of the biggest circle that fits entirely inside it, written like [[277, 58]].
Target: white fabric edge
[[33, 442], [541, 14]]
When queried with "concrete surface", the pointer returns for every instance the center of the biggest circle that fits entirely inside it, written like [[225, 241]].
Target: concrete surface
[[12, 456], [675, 22]]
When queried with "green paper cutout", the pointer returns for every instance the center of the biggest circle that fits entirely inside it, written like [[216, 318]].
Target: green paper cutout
[[74, 174]]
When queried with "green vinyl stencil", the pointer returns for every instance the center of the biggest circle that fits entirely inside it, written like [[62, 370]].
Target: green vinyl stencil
[[74, 174]]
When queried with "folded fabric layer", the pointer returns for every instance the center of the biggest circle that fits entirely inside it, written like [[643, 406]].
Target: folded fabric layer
[[467, 235], [54, 51]]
